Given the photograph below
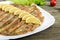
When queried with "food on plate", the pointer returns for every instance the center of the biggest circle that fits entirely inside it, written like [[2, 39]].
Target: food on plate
[[26, 16], [21, 14], [17, 12], [33, 20], [4, 6], [19, 19]]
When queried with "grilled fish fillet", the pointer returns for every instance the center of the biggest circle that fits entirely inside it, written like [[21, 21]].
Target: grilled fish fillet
[[12, 25]]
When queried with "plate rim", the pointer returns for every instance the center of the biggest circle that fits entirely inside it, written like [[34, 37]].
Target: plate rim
[[9, 37]]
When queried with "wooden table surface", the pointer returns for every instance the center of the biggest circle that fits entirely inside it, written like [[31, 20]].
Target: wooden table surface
[[52, 33]]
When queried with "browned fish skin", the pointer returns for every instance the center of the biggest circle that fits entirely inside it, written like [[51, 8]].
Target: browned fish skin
[[16, 27], [5, 21], [8, 26], [1, 13]]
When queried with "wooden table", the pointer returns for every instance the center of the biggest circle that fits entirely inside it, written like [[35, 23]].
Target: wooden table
[[52, 33]]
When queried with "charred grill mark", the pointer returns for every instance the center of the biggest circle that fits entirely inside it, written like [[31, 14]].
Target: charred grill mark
[[9, 18], [17, 26], [5, 21], [1, 13], [4, 16], [1, 24], [9, 25]]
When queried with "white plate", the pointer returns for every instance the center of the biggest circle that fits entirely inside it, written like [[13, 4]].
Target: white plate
[[48, 21]]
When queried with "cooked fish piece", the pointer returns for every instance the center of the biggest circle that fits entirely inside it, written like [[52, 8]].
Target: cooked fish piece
[[11, 24], [17, 26], [1, 13], [4, 16], [8, 26]]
